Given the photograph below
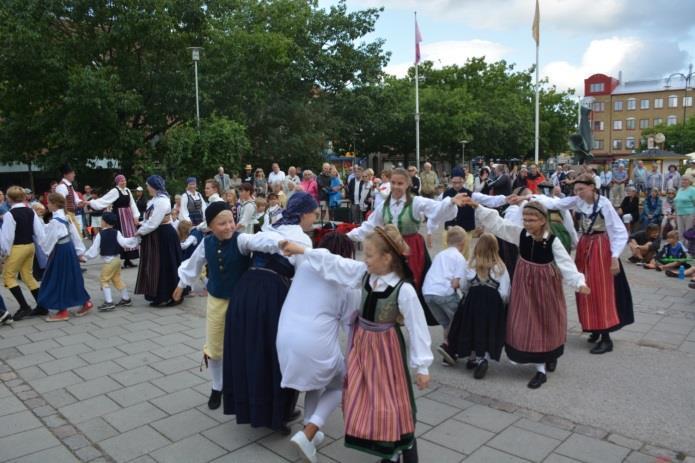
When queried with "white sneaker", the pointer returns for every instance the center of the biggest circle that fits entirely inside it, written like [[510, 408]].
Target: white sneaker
[[6, 318], [307, 450], [318, 438]]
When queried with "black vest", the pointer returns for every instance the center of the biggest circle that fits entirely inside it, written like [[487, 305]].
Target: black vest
[[109, 242], [24, 225], [538, 252]]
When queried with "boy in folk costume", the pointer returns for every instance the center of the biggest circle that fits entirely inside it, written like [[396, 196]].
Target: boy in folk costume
[[225, 251], [72, 199], [21, 227], [378, 402], [62, 285], [109, 244]]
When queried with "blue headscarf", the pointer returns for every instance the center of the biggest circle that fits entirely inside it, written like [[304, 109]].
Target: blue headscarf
[[157, 182], [457, 171], [298, 204], [190, 180]]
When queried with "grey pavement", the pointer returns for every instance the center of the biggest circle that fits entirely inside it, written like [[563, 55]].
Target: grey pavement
[[127, 386]]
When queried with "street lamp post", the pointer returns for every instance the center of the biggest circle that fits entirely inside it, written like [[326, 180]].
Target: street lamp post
[[463, 152], [687, 78], [195, 56]]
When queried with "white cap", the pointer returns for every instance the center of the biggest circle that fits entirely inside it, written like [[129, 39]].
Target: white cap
[[138, 188]]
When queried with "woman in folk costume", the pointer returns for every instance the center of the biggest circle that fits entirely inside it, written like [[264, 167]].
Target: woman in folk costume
[[378, 401], [252, 389], [537, 317], [160, 248], [308, 342], [62, 286], [406, 213], [192, 203], [609, 306], [123, 205]]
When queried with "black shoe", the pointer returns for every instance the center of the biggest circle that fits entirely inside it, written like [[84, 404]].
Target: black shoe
[[294, 416], [215, 400], [124, 303], [537, 381], [21, 313], [593, 337], [38, 312], [602, 347], [410, 455], [634, 259], [671, 273], [480, 369], [172, 303], [691, 284], [285, 430], [551, 366], [470, 364]]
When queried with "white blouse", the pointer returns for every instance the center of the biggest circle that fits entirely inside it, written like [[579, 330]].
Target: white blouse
[[109, 198], [508, 231], [436, 212], [161, 209], [188, 242], [502, 278], [350, 273], [55, 230], [95, 250], [9, 226]]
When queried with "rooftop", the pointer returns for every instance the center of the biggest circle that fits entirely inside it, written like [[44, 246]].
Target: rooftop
[[644, 86]]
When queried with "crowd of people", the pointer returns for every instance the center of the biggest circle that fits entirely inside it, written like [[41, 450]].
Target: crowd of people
[[275, 304]]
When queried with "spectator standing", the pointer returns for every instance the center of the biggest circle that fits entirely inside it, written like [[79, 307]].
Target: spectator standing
[[359, 193], [414, 181], [502, 185], [324, 186], [309, 184], [655, 179], [672, 179], [639, 177], [520, 181], [606, 180], [276, 175], [336, 193], [428, 181], [555, 178], [685, 206], [690, 171], [619, 183], [480, 185], [223, 180], [355, 171], [248, 176], [535, 177], [260, 184], [292, 176], [247, 209]]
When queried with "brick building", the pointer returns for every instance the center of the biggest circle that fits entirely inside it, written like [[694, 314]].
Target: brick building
[[622, 110]]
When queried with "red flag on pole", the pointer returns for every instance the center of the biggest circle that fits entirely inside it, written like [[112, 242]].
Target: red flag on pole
[[418, 39]]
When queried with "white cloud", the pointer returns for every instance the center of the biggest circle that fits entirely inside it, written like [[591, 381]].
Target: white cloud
[[451, 52]]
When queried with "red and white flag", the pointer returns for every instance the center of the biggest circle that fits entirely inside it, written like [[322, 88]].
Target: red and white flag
[[418, 39]]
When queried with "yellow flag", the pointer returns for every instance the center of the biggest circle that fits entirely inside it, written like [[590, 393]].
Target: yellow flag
[[536, 25]]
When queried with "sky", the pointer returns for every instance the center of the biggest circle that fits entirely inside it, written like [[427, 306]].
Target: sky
[[645, 39]]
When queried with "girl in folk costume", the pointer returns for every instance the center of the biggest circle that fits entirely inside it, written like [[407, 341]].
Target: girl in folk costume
[[192, 203], [537, 318], [406, 212], [160, 249], [480, 322], [225, 252], [308, 344], [189, 237], [252, 389], [609, 306], [378, 402], [123, 205], [62, 285]]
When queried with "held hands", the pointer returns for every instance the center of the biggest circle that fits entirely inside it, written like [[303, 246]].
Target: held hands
[[584, 289], [615, 266], [467, 201], [459, 199], [290, 249], [177, 294], [422, 381]]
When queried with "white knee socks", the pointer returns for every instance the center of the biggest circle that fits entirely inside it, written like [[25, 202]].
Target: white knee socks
[[124, 294], [107, 294], [215, 367]]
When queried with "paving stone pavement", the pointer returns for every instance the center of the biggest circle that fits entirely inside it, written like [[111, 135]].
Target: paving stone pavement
[[127, 386]]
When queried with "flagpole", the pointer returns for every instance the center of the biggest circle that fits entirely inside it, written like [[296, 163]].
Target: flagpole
[[417, 109], [537, 110]]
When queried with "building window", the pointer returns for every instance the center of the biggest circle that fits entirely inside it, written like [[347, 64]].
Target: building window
[[673, 101], [617, 144], [644, 104], [644, 123], [630, 123], [598, 145], [658, 121], [595, 88], [618, 105], [631, 104], [617, 125], [671, 120], [597, 106], [658, 103], [598, 126], [687, 101], [630, 143]]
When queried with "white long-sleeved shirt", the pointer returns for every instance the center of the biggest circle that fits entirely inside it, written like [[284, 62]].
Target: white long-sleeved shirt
[[490, 220], [94, 250], [54, 231], [446, 266], [161, 209], [436, 212], [183, 212], [617, 233], [349, 273], [502, 277], [247, 216], [62, 189], [109, 198], [7, 232], [188, 242]]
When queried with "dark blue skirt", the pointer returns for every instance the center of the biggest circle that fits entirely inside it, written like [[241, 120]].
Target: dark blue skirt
[[252, 376], [62, 285], [160, 257]]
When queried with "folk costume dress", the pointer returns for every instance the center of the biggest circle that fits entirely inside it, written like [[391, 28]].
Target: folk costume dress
[[160, 252], [509, 253], [537, 316], [124, 206], [252, 389], [192, 207], [604, 236], [480, 322], [378, 402], [62, 286], [406, 213]]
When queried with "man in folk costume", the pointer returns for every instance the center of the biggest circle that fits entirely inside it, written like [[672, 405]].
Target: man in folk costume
[[192, 203], [66, 190]]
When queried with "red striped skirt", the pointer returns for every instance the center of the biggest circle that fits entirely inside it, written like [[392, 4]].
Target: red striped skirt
[[537, 317], [127, 224], [597, 311], [377, 400], [417, 259]]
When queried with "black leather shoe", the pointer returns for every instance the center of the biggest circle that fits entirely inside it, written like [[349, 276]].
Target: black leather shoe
[[470, 364], [294, 416], [480, 370], [602, 347], [593, 337], [38, 312], [537, 381], [21, 313], [285, 430], [215, 400], [551, 366]]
